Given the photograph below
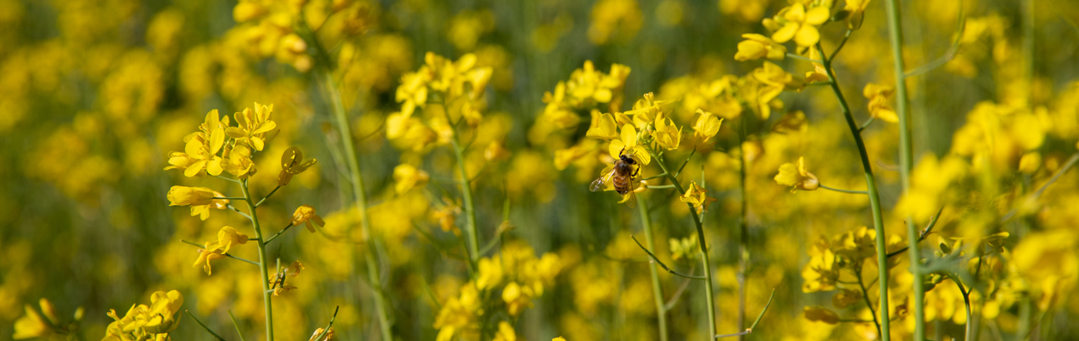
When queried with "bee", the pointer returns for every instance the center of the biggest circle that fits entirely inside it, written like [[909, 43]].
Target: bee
[[621, 176]]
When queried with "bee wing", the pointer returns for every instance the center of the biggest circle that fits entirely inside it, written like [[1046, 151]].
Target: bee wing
[[601, 182]]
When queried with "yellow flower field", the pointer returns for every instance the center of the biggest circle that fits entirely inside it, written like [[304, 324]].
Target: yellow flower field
[[539, 170]]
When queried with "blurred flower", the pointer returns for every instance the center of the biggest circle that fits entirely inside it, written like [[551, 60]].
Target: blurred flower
[[879, 98], [797, 177], [791, 122], [799, 24], [821, 273], [618, 19], [684, 248], [855, 9], [757, 46], [305, 214], [697, 197], [292, 163], [408, 177], [517, 298], [32, 325], [845, 298], [602, 127], [505, 332], [143, 322], [707, 125], [490, 274], [821, 314]]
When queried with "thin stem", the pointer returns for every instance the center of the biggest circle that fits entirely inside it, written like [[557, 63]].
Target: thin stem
[[278, 233], [928, 229], [868, 302], [684, 163], [906, 163], [966, 302], [370, 252], [842, 190], [659, 186], [204, 326], [234, 209], [657, 289], [743, 250], [236, 325], [841, 44], [267, 196], [874, 197], [657, 176], [466, 193], [224, 254], [1067, 165], [664, 266], [750, 329], [677, 294], [263, 265], [328, 326], [709, 299], [867, 123]]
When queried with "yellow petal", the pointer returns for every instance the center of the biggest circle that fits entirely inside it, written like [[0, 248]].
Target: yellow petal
[[629, 135], [817, 16], [786, 33], [807, 36]]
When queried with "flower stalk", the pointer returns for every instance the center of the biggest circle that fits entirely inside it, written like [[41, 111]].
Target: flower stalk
[[710, 300], [466, 193], [263, 262], [657, 289], [370, 251], [906, 162], [874, 196]]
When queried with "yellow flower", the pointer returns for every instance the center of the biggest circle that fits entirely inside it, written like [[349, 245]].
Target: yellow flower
[[253, 126], [239, 161], [31, 325], [707, 125], [821, 272], [559, 339], [821, 314], [447, 218], [190, 196], [517, 297], [757, 46], [667, 135], [199, 198], [144, 322], [796, 176], [412, 92], [801, 25], [602, 127], [879, 96], [855, 9], [685, 247], [845, 298], [697, 197], [490, 274], [213, 250], [505, 332], [203, 146], [792, 122], [408, 177], [628, 145], [305, 214], [228, 236], [292, 163]]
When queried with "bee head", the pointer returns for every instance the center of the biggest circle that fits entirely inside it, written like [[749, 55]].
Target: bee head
[[627, 159]]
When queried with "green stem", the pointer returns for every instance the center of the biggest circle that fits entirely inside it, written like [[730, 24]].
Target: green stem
[[709, 300], [906, 163], [874, 198], [657, 290], [743, 250], [236, 325], [868, 303], [370, 251], [263, 263], [841, 190], [466, 192], [268, 240]]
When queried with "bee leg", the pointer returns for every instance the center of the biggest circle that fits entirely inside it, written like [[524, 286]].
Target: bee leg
[[636, 171], [620, 151]]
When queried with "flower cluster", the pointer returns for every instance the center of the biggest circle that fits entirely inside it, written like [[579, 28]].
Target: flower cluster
[[507, 282], [147, 322]]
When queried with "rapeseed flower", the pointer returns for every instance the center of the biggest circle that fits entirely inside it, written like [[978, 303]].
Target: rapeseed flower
[[706, 126], [628, 146], [797, 176], [697, 197], [143, 322], [305, 215], [757, 46], [879, 97], [800, 24], [292, 163]]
